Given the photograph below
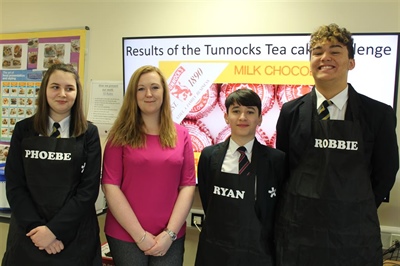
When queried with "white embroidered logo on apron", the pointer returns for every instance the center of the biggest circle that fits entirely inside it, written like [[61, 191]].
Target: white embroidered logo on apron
[[83, 167], [272, 191]]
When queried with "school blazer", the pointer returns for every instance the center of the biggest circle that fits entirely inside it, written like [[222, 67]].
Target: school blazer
[[270, 170], [378, 123]]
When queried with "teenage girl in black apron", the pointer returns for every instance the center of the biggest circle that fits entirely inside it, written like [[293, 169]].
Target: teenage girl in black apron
[[51, 184]]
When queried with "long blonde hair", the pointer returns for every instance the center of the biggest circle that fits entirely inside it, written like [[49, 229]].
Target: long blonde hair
[[128, 128]]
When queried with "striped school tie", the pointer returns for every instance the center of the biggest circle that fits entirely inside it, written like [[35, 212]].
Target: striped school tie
[[56, 133], [243, 160], [323, 112]]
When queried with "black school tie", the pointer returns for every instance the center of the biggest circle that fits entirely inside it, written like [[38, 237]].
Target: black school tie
[[243, 160], [323, 112], [56, 133]]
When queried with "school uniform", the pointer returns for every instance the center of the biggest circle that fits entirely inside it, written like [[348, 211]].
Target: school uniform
[[53, 182], [239, 208], [340, 172]]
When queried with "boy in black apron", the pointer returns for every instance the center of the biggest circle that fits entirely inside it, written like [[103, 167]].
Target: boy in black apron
[[343, 159], [238, 190]]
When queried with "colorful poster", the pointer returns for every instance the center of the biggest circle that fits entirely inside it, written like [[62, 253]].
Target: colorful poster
[[24, 58]]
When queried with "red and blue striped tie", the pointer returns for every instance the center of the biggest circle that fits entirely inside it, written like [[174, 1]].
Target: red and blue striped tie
[[243, 160]]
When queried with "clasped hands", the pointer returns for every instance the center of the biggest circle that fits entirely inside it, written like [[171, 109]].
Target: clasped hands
[[156, 245], [44, 239]]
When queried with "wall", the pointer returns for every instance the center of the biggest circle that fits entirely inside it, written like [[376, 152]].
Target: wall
[[109, 21]]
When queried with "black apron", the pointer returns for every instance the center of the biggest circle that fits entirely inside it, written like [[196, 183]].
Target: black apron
[[329, 216], [53, 171], [232, 234]]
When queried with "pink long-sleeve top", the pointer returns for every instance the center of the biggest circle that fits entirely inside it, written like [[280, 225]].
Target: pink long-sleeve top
[[150, 178]]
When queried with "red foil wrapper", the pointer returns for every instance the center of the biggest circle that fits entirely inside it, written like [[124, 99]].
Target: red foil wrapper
[[285, 93], [199, 134], [205, 105]]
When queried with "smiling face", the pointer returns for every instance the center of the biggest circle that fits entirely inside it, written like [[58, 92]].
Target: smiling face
[[61, 94], [243, 121], [330, 62], [149, 93]]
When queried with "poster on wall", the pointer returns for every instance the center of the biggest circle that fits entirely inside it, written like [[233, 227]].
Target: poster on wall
[[24, 58], [203, 70], [105, 101]]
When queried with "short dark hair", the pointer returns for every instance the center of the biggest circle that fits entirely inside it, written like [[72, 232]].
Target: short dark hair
[[331, 33], [244, 97]]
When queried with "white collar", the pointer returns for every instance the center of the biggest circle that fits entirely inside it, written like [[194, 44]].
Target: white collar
[[64, 124], [339, 100], [249, 146]]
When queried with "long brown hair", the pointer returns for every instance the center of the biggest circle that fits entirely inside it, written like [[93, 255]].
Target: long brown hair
[[128, 128], [78, 124]]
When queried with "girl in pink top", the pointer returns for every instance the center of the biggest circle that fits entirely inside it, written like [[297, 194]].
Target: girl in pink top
[[148, 176]]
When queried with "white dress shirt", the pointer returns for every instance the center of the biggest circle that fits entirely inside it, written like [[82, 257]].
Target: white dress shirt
[[338, 109], [230, 164], [64, 127]]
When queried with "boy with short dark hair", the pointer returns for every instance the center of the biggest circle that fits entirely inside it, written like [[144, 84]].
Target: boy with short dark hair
[[239, 181]]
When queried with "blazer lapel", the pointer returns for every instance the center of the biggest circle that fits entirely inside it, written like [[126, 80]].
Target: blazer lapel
[[261, 161], [305, 119], [217, 161], [353, 104]]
